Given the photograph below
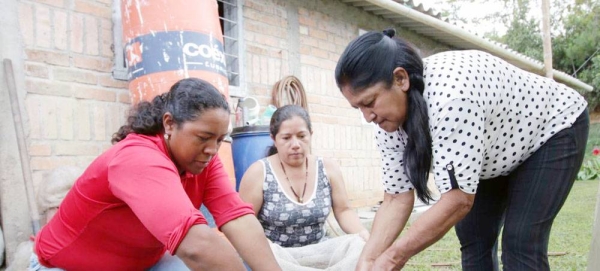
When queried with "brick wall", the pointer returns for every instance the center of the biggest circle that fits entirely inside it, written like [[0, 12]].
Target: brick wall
[[73, 104]]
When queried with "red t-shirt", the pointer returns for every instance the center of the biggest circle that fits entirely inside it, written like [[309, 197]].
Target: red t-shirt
[[130, 205]]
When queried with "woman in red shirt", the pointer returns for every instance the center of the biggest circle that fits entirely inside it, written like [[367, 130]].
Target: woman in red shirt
[[141, 197]]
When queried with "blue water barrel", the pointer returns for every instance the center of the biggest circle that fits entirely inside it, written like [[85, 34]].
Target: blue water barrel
[[248, 145]]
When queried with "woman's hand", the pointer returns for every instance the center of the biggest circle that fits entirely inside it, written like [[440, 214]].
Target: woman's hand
[[387, 262], [364, 234], [364, 265], [383, 262]]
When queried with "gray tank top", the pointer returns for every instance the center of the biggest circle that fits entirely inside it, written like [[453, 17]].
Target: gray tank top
[[288, 223]]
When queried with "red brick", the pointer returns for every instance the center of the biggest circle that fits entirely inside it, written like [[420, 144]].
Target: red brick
[[53, 58], [309, 41], [92, 38], [304, 20], [92, 63], [48, 118], [271, 41], [328, 46], [48, 87], [93, 8], [43, 31], [48, 163], [60, 30], [106, 80], [274, 71], [313, 99], [36, 70], [310, 60], [263, 71], [117, 114], [94, 93], [99, 122], [252, 26], [26, 23], [32, 105], [55, 3], [74, 75], [319, 34], [304, 50], [256, 50], [39, 149], [324, 118], [81, 121], [263, 8], [65, 119], [124, 98], [106, 37], [255, 64], [76, 33], [76, 148]]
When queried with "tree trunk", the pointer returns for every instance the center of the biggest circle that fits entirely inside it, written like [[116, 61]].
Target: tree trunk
[[547, 38]]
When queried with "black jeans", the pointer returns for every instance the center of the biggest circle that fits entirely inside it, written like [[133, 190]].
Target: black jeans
[[525, 203]]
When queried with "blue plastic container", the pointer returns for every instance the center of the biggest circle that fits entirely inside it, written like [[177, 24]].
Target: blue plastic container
[[248, 145]]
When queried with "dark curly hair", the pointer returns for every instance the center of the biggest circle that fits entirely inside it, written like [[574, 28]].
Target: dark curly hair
[[186, 100]]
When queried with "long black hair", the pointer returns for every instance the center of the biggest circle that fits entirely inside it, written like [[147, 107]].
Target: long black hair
[[282, 114], [372, 58], [186, 100]]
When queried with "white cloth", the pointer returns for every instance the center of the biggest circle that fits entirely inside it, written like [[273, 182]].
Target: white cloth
[[335, 254]]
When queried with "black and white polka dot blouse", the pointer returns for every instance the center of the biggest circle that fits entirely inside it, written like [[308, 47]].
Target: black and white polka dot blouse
[[485, 116]]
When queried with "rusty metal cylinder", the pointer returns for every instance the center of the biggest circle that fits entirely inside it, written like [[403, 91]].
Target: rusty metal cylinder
[[168, 40]]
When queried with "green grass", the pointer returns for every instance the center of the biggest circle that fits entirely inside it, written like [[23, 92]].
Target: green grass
[[593, 140], [571, 233]]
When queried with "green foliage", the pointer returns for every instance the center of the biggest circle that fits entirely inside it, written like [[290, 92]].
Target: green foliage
[[575, 35], [590, 170], [523, 36], [577, 50], [593, 140]]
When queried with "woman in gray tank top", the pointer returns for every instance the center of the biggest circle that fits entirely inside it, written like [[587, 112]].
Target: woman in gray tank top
[[292, 191]]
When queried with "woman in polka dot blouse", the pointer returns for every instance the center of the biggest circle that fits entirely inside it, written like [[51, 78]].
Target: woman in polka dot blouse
[[504, 146]]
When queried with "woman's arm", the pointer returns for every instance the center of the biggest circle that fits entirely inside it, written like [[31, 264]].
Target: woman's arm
[[346, 217], [429, 228], [387, 225], [251, 186], [203, 249], [247, 236]]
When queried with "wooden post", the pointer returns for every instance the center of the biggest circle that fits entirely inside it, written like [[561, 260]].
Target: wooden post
[[546, 38], [593, 259]]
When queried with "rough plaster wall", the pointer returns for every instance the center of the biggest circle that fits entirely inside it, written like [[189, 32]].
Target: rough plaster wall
[[14, 209], [306, 38]]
